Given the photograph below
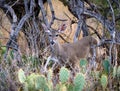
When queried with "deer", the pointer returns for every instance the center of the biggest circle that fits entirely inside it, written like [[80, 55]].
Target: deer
[[68, 52]]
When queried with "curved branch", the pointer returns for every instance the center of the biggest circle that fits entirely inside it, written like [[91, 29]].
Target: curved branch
[[99, 17]]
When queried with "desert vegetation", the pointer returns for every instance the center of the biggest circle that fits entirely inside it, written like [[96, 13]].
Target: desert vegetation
[[25, 46]]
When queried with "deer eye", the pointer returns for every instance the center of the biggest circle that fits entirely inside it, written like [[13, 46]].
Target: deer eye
[[50, 35], [57, 35]]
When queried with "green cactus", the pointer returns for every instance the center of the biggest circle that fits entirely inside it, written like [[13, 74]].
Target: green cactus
[[79, 82], [104, 81], [63, 88], [96, 74], [40, 82], [70, 87], [3, 50], [114, 71], [50, 85], [21, 76], [36, 82], [118, 72], [31, 82], [106, 66], [83, 62], [64, 74], [49, 74], [25, 86], [57, 88], [49, 79]]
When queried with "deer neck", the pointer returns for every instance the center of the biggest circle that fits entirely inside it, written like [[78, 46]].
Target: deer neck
[[57, 48]]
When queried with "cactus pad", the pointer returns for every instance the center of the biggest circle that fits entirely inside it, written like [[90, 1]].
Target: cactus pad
[[64, 74]]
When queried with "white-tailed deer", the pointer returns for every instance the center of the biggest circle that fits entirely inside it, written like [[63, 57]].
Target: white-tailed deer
[[68, 52]]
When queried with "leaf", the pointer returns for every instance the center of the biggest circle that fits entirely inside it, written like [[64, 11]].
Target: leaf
[[21, 76]]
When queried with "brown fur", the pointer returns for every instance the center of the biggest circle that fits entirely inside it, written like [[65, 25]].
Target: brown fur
[[69, 53], [73, 52]]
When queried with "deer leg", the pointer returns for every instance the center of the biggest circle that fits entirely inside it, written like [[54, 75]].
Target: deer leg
[[46, 64], [48, 59]]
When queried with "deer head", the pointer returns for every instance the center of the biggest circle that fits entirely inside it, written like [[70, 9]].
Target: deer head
[[54, 34]]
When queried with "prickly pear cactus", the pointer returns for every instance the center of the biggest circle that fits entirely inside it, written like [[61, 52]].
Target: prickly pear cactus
[[106, 66], [83, 62], [57, 88], [64, 74], [118, 72], [70, 87], [49, 74], [21, 76], [114, 71], [104, 81], [79, 82], [25, 87], [63, 87], [40, 82], [31, 82], [36, 82]]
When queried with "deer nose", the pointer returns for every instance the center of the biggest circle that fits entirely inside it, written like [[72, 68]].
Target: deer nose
[[52, 42]]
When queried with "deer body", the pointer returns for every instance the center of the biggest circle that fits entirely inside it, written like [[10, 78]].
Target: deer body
[[69, 52], [74, 51]]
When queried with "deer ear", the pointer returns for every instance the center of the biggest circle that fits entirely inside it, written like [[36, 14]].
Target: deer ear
[[62, 28]]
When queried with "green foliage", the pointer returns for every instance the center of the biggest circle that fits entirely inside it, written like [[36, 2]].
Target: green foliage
[[36, 82], [40, 82], [64, 74], [104, 81], [118, 72], [33, 82], [49, 74], [79, 82], [106, 66], [83, 62], [96, 75], [3, 50], [114, 71], [21, 76], [63, 87], [70, 87]]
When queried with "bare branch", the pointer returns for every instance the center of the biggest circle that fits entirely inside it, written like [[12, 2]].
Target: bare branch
[[78, 30], [99, 17], [40, 2], [20, 24], [112, 12], [14, 17], [26, 6], [52, 12], [32, 4]]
